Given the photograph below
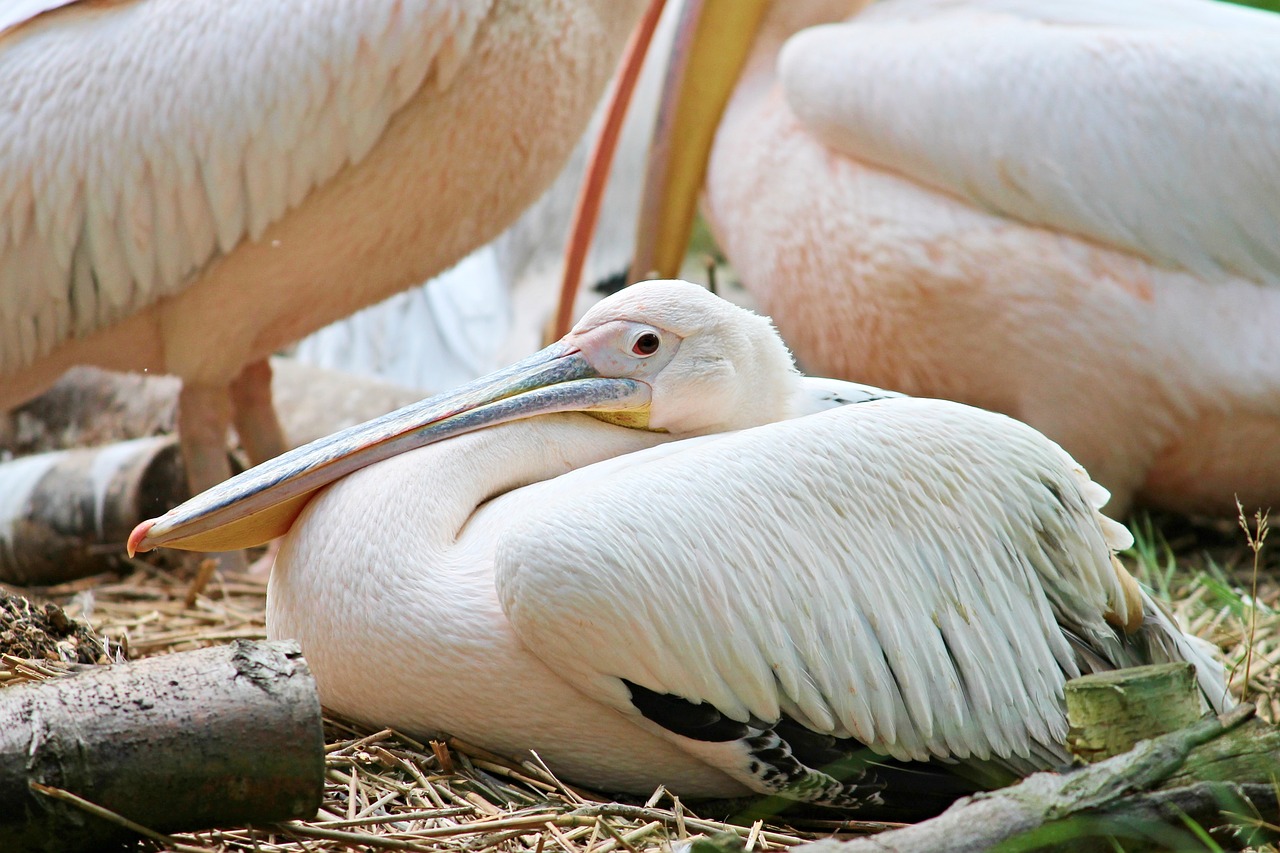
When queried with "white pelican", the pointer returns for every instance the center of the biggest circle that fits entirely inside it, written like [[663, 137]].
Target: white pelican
[[1063, 210], [185, 187], [712, 579], [494, 306]]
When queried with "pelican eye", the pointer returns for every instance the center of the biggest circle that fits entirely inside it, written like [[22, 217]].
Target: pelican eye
[[645, 344]]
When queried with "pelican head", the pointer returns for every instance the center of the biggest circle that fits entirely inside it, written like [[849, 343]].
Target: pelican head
[[660, 355], [709, 366]]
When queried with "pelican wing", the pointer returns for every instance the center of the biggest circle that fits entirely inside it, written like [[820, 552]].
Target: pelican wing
[[18, 12], [900, 572], [819, 393], [1150, 125], [139, 139]]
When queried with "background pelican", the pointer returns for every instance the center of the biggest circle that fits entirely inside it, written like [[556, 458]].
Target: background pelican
[[186, 187], [718, 578], [1063, 211], [495, 305]]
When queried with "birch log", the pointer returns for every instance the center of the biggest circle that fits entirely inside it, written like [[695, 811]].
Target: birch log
[[66, 514]]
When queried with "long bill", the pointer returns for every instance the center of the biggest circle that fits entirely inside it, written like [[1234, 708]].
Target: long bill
[[713, 40], [263, 502]]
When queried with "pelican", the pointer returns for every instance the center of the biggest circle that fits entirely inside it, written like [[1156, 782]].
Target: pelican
[[186, 187], [1061, 210], [493, 307], [656, 554]]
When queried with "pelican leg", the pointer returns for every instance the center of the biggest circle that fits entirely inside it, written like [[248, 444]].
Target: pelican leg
[[204, 413], [255, 417]]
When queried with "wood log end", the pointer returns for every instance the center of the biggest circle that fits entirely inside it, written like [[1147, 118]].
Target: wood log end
[[1109, 712]]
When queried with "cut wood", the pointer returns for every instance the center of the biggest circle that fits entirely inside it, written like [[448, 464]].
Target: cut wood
[[214, 737], [89, 406], [1109, 712], [65, 514]]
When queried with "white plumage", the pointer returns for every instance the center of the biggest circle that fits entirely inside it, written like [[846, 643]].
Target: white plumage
[[496, 304], [187, 187], [1147, 125], [772, 552], [1058, 210]]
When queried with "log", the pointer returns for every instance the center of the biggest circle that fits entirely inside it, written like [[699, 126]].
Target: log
[[1109, 712], [89, 406], [65, 514], [220, 736], [1103, 799], [313, 402]]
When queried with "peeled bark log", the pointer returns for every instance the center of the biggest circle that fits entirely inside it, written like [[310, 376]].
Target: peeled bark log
[[220, 736], [67, 514], [90, 406]]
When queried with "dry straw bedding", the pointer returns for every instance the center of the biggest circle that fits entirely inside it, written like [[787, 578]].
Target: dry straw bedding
[[385, 791]]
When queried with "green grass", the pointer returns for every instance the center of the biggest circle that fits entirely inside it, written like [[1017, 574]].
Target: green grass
[[1268, 5]]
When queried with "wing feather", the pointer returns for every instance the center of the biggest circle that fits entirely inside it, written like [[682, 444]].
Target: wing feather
[[896, 570], [17, 13], [139, 138], [1151, 125]]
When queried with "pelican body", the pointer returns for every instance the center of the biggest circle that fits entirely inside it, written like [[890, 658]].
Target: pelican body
[[656, 554], [187, 187], [1062, 210]]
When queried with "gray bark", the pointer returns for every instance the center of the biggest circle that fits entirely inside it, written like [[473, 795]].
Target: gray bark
[[219, 736], [65, 514]]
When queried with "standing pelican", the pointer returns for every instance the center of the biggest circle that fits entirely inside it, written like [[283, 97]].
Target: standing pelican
[[494, 306], [655, 553], [186, 187], [1063, 210]]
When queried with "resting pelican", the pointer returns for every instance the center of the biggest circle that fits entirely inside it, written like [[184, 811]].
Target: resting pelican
[[1063, 210], [655, 553], [188, 186]]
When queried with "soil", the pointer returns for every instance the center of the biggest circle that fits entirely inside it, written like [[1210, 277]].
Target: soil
[[28, 630]]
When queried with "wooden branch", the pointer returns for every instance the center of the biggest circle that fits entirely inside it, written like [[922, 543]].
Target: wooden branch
[[65, 513], [89, 406], [220, 736], [1109, 793]]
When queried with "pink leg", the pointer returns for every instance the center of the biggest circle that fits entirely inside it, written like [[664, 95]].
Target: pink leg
[[204, 413], [255, 416]]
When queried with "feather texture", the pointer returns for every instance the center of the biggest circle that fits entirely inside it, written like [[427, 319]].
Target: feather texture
[[109, 210], [878, 571], [1041, 125]]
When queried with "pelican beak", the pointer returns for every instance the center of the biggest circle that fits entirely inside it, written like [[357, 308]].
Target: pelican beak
[[263, 502], [712, 41]]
